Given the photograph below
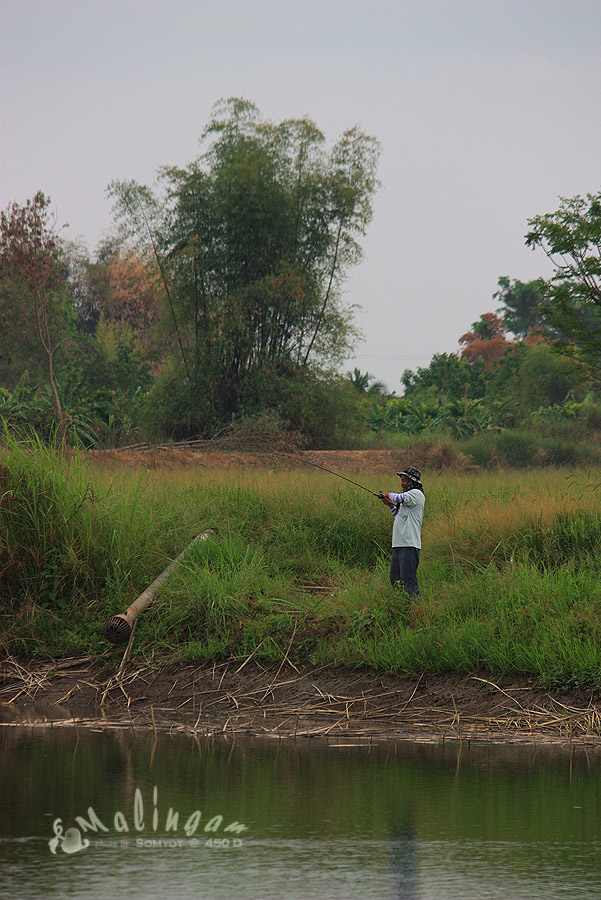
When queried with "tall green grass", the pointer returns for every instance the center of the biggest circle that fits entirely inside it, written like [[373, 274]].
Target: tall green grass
[[72, 545], [298, 567]]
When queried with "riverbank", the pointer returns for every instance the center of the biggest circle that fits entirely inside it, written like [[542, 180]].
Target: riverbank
[[241, 697], [294, 579]]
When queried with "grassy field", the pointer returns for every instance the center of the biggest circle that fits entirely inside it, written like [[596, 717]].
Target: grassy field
[[298, 567]]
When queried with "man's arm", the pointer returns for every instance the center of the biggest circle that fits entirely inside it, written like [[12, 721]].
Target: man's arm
[[393, 500], [410, 498]]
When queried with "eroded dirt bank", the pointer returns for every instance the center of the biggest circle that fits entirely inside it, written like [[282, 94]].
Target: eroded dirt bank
[[385, 462], [242, 697]]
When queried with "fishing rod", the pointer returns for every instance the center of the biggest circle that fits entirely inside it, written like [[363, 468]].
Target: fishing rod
[[337, 474]]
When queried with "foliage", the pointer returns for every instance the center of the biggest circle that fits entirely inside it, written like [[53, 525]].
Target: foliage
[[32, 286], [226, 312], [521, 305], [546, 379], [493, 384], [452, 376], [486, 341], [52, 296], [253, 240], [322, 407], [430, 412], [571, 298], [25, 407], [124, 290], [42, 545], [366, 384], [28, 412]]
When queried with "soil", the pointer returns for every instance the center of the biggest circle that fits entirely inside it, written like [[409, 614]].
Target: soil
[[385, 462], [246, 698]]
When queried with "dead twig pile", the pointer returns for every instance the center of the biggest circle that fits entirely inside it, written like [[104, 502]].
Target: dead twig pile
[[235, 436], [23, 683], [244, 697]]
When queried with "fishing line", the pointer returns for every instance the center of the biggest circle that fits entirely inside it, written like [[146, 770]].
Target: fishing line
[[337, 474]]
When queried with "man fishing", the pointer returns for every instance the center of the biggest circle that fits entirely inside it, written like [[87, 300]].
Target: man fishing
[[408, 512]]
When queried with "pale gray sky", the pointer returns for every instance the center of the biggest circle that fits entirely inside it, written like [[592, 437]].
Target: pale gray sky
[[487, 112]]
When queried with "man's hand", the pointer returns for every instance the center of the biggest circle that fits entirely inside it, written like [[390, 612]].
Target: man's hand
[[385, 498]]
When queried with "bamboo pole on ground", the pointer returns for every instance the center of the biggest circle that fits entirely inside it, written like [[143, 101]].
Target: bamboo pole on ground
[[118, 628], [122, 626]]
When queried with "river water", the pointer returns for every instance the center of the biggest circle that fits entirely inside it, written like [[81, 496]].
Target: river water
[[118, 813]]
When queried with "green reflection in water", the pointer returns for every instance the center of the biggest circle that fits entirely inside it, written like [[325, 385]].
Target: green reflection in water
[[397, 820]]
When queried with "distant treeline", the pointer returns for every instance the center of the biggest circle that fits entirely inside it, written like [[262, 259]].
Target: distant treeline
[[217, 301]]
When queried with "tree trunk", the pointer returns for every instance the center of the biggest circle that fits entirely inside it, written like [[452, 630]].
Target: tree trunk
[[60, 416]]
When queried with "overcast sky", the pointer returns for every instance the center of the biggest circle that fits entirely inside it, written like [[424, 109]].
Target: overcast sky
[[487, 111]]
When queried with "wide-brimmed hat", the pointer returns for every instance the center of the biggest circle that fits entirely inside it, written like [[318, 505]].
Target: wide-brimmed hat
[[411, 473]]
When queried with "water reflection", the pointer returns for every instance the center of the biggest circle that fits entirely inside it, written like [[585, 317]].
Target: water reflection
[[403, 858], [172, 816]]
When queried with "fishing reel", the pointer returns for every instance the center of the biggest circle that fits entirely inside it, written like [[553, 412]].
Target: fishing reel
[[380, 495]]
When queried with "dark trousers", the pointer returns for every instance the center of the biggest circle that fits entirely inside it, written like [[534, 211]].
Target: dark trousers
[[403, 569]]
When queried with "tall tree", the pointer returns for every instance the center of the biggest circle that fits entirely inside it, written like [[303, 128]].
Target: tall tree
[[520, 305], [571, 304], [254, 239], [32, 279], [448, 376], [486, 341]]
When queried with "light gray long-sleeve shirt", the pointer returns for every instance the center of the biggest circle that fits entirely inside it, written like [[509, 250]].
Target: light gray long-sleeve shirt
[[408, 518]]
